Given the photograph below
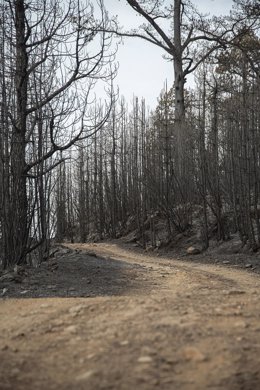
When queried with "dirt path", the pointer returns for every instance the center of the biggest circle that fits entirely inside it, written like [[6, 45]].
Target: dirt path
[[127, 321]]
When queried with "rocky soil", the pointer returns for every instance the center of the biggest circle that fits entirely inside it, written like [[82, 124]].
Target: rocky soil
[[105, 316]]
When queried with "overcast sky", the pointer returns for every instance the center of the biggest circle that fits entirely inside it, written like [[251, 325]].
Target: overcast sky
[[142, 69]]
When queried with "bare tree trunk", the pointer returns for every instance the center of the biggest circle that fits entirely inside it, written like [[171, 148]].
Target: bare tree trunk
[[203, 165], [114, 205], [101, 190], [179, 89], [15, 250]]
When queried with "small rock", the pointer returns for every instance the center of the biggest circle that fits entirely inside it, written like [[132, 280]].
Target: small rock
[[248, 265], [225, 262], [24, 292], [192, 353], [72, 329], [44, 306], [192, 250], [86, 375], [124, 342], [145, 359], [235, 292], [241, 324], [91, 356], [76, 309], [4, 291]]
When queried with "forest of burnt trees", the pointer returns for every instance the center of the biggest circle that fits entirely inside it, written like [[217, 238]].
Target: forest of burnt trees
[[76, 168]]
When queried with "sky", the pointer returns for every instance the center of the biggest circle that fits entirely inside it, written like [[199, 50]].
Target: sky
[[142, 69]]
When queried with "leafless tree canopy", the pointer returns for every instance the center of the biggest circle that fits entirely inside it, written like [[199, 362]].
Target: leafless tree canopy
[[50, 63]]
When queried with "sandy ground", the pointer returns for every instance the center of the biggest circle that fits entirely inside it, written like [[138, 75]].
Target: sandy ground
[[102, 316]]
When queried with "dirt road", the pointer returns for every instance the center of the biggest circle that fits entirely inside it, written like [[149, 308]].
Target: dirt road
[[125, 321]]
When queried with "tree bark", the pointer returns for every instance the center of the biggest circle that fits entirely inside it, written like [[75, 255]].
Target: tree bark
[[15, 250]]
